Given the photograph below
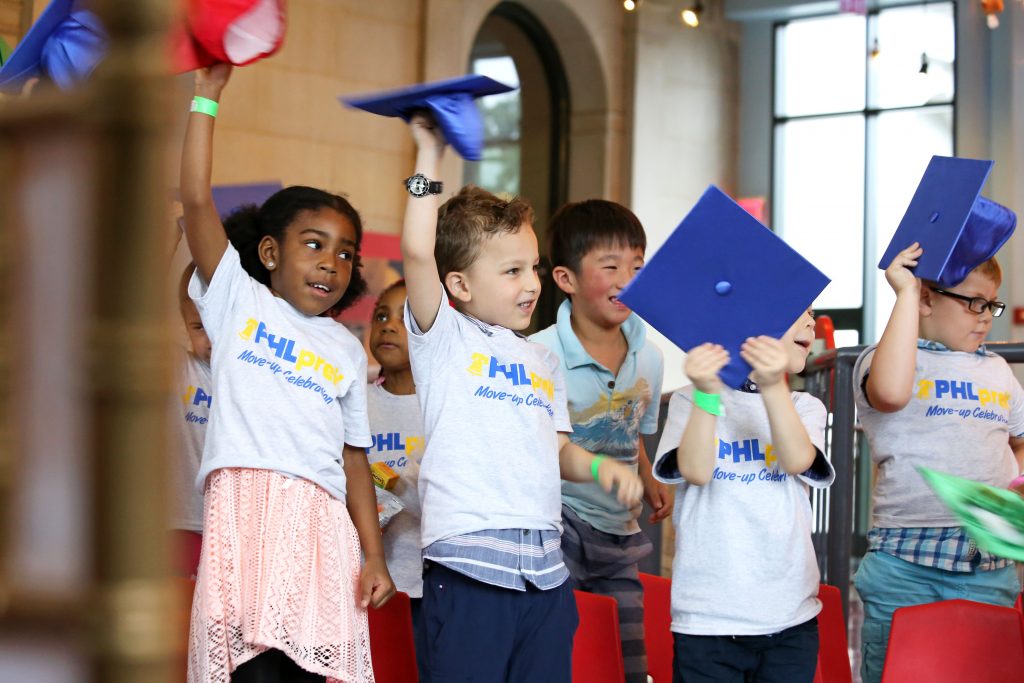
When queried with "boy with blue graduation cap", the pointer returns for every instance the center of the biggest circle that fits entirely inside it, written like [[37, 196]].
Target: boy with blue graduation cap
[[497, 599], [741, 446], [929, 394]]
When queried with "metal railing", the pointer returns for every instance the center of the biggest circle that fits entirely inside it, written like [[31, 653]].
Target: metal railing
[[829, 376]]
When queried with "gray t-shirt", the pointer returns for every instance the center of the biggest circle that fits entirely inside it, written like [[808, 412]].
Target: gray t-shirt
[[190, 413], [493, 404], [396, 426], [963, 409], [744, 563], [291, 388]]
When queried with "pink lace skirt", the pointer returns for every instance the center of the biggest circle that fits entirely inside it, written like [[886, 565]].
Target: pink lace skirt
[[279, 569]]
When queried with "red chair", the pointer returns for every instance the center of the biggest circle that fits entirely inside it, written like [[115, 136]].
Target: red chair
[[954, 641], [392, 646], [596, 649], [833, 649], [658, 626]]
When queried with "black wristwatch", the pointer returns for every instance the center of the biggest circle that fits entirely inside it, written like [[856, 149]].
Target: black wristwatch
[[420, 185]]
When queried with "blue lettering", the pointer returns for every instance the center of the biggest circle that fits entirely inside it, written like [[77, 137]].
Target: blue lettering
[[758, 455], [288, 352], [941, 388], [957, 389], [724, 449], [202, 397], [743, 450]]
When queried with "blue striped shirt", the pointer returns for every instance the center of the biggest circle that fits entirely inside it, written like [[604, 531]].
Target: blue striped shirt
[[507, 558], [946, 548]]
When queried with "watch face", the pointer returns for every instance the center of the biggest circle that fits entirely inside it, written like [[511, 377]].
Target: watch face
[[417, 185]]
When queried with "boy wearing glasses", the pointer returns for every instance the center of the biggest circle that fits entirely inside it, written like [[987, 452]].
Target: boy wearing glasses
[[930, 394]]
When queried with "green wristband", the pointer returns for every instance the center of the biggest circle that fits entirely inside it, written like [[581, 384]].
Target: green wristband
[[595, 464], [709, 403], [203, 105]]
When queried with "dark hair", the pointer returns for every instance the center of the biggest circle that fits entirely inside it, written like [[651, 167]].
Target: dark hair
[[249, 224], [469, 218], [579, 227], [390, 288]]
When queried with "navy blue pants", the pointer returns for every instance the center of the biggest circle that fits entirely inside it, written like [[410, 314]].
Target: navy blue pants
[[790, 656], [478, 633]]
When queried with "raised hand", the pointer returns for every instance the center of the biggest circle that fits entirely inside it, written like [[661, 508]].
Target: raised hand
[[899, 275], [703, 363], [768, 358]]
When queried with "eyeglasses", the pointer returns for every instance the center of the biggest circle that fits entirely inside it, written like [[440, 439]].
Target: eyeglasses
[[975, 304]]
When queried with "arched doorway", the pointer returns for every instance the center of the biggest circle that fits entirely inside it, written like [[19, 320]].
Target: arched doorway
[[526, 148]]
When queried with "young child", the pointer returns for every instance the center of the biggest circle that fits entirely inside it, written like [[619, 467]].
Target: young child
[[930, 394], [396, 425], [289, 500], [190, 410], [613, 378], [496, 603], [744, 577]]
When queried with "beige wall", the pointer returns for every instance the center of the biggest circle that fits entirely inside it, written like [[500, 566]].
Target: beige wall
[[685, 127]]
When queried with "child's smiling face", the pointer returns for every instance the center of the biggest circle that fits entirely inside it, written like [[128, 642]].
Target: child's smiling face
[[312, 265]]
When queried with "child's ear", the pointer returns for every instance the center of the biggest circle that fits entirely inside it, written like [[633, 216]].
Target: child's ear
[[269, 252], [925, 305], [458, 286], [565, 279]]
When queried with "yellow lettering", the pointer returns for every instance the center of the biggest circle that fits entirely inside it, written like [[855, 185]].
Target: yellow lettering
[[413, 444], [187, 395], [249, 330], [769, 457], [924, 388], [306, 359], [477, 366]]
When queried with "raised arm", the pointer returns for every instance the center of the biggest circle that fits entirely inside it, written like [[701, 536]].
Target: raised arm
[[695, 455], [790, 441], [419, 229], [891, 377], [203, 228]]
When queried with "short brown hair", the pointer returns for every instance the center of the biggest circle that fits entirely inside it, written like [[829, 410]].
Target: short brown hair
[[991, 270], [469, 218]]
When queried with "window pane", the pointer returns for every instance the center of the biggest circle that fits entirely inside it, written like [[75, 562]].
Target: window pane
[[499, 169], [847, 338], [819, 205], [908, 39], [903, 143], [819, 65]]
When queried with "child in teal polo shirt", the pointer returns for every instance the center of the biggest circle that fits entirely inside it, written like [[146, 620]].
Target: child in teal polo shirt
[[613, 379]]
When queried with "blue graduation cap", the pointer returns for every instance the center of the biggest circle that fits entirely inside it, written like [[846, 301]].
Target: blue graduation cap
[[722, 277], [958, 229], [64, 45], [450, 101]]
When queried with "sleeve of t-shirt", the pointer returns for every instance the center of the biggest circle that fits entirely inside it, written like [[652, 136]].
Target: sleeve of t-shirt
[[560, 403], [430, 350], [861, 368], [666, 467], [1016, 422], [812, 413], [649, 421], [353, 406], [224, 293]]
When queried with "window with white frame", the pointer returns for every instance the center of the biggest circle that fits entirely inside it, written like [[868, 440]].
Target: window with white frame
[[861, 105]]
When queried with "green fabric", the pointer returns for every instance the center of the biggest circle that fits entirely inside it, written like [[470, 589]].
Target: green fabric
[[993, 517], [5, 51]]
